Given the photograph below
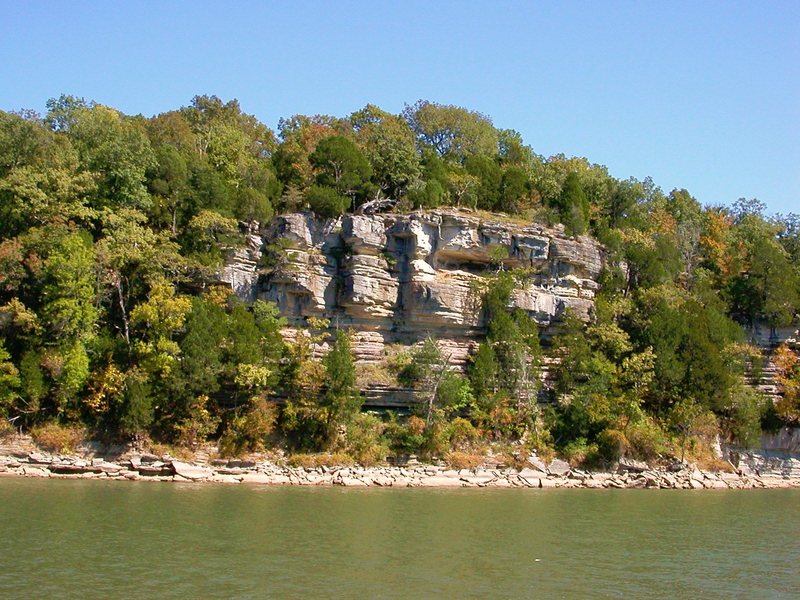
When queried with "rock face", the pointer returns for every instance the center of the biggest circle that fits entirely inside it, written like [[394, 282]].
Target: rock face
[[400, 278]]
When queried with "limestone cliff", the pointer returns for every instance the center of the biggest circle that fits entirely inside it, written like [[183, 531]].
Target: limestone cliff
[[398, 278]]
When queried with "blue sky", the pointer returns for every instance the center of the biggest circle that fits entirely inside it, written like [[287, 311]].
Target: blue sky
[[702, 95]]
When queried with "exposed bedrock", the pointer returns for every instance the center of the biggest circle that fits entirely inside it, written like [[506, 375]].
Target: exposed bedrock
[[400, 278]]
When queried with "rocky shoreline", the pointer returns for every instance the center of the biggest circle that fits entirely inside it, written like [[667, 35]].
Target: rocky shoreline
[[557, 474]]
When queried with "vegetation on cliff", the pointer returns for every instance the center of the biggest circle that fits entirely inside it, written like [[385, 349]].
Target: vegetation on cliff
[[113, 226]]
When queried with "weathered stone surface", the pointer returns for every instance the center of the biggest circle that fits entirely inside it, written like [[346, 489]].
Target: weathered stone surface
[[399, 278], [440, 481], [558, 468], [634, 466], [192, 472], [532, 473]]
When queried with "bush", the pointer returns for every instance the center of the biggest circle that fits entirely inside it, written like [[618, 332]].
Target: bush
[[367, 374], [464, 460], [198, 425], [364, 441], [436, 441], [6, 428], [405, 438], [611, 445], [249, 432], [326, 202], [58, 438], [746, 413], [646, 439], [461, 433], [579, 452]]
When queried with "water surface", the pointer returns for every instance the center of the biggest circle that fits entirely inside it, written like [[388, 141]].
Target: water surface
[[90, 539]]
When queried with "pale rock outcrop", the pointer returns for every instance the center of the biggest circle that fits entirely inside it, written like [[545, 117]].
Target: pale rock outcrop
[[399, 278]]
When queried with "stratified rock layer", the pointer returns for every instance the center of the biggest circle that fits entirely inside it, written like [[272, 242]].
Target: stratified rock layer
[[401, 278]]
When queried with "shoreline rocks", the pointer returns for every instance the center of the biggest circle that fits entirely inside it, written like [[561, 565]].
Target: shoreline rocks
[[556, 475]]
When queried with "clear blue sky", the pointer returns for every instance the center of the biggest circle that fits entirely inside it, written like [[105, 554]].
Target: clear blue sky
[[703, 95]]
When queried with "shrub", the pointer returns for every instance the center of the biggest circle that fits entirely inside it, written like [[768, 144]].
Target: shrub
[[367, 374], [464, 460], [6, 428], [249, 432], [405, 438], [198, 425], [646, 439], [179, 452], [54, 437], [611, 445], [326, 202], [364, 442], [579, 452], [461, 433]]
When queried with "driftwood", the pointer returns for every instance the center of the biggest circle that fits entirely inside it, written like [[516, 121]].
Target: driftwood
[[378, 205]]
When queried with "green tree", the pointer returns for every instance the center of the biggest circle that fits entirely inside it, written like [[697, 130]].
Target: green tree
[[341, 166], [573, 206], [341, 400], [114, 148], [9, 381], [326, 202], [389, 145], [453, 132]]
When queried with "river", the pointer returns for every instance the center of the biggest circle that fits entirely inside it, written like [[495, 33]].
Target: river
[[89, 539]]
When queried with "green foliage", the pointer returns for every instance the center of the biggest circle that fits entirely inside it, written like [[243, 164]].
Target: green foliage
[[113, 230], [340, 165], [250, 430], [453, 132], [9, 381], [137, 411], [365, 442], [327, 202], [341, 400], [573, 206]]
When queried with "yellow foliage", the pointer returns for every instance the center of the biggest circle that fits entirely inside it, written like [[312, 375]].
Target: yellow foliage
[[219, 295], [104, 387], [163, 312]]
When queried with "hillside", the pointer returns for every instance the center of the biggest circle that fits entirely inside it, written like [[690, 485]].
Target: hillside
[[192, 276]]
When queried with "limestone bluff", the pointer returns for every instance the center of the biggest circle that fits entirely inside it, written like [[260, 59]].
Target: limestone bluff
[[399, 278]]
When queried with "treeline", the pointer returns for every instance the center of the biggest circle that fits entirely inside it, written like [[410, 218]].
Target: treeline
[[112, 226]]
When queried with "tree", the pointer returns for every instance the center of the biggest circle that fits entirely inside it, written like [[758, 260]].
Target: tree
[[389, 145], [453, 132], [425, 372], [767, 285], [300, 135], [69, 308], [169, 182], [573, 206], [342, 166], [9, 381], [489, 179], [326, 202], [341, 400], [111, 146], [132, 256], [137, 410]]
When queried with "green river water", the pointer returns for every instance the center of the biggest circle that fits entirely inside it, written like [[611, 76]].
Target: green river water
[[90, 539]]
